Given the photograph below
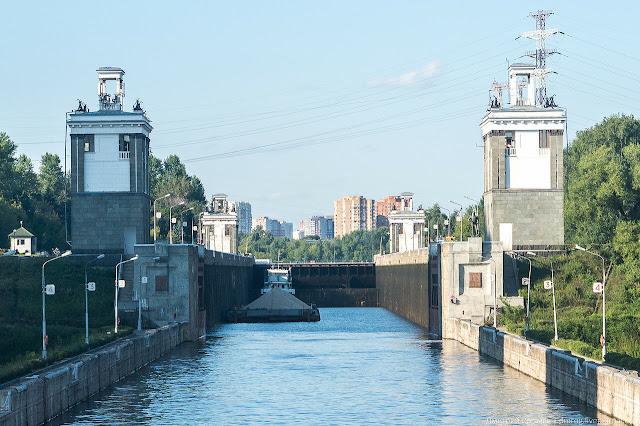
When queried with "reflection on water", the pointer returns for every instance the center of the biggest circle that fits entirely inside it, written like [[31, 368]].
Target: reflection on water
[[356, 366]]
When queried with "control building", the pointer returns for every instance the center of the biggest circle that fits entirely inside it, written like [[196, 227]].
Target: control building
[[523, 172], [219, 226], [406, 227], [110, 201]]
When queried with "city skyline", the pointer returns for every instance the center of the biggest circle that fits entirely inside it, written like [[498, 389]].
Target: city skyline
[[271, 112]]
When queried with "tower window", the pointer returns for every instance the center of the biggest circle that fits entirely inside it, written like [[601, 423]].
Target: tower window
[[510, 140], [89, 145], [124, 143], [544, 138]]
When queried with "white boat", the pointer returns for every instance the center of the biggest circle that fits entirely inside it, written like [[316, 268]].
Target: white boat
[[277, 278]]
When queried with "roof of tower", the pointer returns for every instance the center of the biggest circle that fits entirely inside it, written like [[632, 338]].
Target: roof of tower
[[110, 69]]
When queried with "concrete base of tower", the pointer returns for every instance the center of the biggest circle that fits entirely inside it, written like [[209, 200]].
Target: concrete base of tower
[[109, 222], [525, 219]]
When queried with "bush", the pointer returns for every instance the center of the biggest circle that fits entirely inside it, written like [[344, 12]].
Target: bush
[[579, 348], [623, 360]]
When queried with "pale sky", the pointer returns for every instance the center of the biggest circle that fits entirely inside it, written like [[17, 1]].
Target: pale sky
[[290, 105]]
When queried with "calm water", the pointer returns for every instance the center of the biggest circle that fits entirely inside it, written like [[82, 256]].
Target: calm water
[[356, 366]]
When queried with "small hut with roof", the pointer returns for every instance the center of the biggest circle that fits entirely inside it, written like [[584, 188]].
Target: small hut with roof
[[23, 241]]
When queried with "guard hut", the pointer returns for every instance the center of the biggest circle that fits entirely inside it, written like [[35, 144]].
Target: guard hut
[[110, 193], [523, 172], [23, 241], [219, 226]]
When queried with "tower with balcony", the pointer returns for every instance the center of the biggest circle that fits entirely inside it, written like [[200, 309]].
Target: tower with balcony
[[110, 193], [523, 170]]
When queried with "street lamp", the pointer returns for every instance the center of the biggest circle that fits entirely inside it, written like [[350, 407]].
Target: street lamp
[[86, 299], [495, 293], [44, 322], [171, 221], [604, 282], [154, 215], [553, 292], [458, 204], [448, 221], [117, 286], [528, 285], [182, 225]]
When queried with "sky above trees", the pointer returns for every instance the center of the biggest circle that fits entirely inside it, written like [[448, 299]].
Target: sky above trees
[[292, 105]]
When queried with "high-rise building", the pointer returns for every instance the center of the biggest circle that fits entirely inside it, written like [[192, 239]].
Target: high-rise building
[[278, 228], [391, 203], [353, 213], [109, 190], [319, 226], [523, 181], [243, 209]]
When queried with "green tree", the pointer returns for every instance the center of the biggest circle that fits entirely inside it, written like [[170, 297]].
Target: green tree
[[170, 177], [51, 181], [602, 180], [7, 167]]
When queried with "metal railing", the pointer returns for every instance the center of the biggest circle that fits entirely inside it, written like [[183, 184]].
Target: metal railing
[[124, 155]]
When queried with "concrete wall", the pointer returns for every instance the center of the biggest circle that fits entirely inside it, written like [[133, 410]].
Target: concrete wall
[[99, 221], [609, 389], [536, 215], [197, 281], [38, 398], [228, 282], [402, 281], [339, 297]]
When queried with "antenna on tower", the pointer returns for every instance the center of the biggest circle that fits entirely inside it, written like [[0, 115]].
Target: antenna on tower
[[540, 54], [496, 101]]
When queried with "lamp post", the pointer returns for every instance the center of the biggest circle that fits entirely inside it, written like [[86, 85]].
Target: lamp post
[[182, 226], [528, 285], [86, 300], [44, 322], [154, 215], [171, 221], [458, 204], [604, 284], [448, 221], [553, 292], [495, 293], [117, 286]]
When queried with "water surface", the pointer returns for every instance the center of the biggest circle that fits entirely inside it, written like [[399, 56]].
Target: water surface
[[355, 366]]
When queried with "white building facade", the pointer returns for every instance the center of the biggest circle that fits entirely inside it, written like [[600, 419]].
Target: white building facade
[[218, 227]]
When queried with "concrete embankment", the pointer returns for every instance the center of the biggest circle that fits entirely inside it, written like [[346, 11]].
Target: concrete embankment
[[34, 399], [402, 280], [610, 390]]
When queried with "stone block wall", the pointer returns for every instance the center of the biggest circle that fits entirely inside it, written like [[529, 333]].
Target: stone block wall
[[43, 395], [99, 220], [537, 216], [611, 390]]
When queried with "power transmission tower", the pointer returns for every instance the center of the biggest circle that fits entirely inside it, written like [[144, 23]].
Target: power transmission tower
[[540, 54]]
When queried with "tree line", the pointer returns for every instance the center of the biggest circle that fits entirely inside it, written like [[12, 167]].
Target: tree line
[[35, 198]]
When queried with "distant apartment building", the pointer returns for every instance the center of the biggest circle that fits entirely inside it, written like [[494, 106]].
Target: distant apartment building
[[278, 228], [391, 203], [319, 226], [243, 209], [353, 213], [298, 235]]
